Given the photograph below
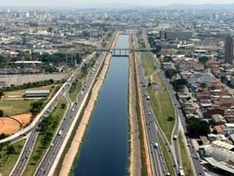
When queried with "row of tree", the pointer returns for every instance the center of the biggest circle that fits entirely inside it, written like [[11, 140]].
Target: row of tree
[[28, 85]]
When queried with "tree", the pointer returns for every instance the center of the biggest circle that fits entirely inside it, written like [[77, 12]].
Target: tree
[[170, 73], [36, 107], [170, 118], [2, 136], [63, 105], [10, 149], [203, 59], [1, 113], [179, 84], [167, 59], [203, 85], [224, 79], [197, 127]]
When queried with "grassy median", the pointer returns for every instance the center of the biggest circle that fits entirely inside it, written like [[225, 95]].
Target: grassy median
[[159, 97], [77, 84], [185, 158], [166, 156], [45, 137], [9, 155]]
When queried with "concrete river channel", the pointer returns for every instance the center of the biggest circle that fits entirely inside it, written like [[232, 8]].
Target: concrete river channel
[[104, 151]]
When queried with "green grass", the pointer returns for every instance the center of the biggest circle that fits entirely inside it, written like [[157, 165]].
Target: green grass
[[15, 107], [75, 89], [148, 64], [77, 85], [166, 156], [184, 156], [39, 149], [7, 161], [159, 98], [163, 108]]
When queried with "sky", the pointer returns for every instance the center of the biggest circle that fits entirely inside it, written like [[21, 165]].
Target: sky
[[86, 2]]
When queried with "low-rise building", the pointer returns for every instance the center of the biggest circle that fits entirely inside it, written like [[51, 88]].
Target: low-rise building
[[218, 119], [31, 94]]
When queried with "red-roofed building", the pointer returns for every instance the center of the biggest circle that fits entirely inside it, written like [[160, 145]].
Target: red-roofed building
[[218, 129]]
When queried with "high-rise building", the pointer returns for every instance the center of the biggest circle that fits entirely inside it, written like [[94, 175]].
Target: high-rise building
[[228, 50]]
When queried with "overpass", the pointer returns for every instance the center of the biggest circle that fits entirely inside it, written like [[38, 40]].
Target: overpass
[[123, 52], [116, 52]]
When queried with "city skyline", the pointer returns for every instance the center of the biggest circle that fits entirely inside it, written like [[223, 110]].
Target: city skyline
[[92, 2]]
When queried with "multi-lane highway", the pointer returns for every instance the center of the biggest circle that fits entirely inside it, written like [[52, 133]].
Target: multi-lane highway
[[158, 163], [180, 119], [50, 160], [33, 132]]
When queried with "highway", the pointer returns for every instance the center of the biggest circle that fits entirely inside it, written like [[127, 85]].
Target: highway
[[181, 119], [160, 131], [50, 160], [33, 132], [25, 155], [179, 125], [158, 163]]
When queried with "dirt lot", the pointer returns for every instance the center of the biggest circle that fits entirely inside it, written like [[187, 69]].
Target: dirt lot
[[21, 79], [11, 126]]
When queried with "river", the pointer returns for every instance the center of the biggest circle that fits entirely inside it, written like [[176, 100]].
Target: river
[[104, 151]]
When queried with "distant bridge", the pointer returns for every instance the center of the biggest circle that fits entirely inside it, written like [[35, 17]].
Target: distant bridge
[[123, 52], [117, 52]]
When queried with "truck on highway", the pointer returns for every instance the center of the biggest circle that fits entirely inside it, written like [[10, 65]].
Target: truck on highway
[[148, 98], [181, 172], [60, 132]]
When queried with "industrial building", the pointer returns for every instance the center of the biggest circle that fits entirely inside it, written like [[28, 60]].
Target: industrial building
[[219, 155]]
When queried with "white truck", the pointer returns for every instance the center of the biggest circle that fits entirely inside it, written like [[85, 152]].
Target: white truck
[[155, 145], [60, 132]]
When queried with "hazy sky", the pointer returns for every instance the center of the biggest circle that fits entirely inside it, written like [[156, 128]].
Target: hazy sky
[[82, 2]]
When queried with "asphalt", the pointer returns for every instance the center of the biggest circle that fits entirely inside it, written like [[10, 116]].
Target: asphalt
[[159, 166], [68, 119], [33, 132], [174, 150]]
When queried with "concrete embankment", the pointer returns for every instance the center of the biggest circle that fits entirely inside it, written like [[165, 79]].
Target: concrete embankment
[[80, 132], [135, 149], [144, 149]]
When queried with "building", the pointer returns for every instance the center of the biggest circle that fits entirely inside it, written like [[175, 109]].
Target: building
[[228, 129], [31, 94], [180, 35], [220, 155], [228, 50], [200, 78], [218, 119]]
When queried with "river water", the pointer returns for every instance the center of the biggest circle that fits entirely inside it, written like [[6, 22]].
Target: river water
[[104, 151]]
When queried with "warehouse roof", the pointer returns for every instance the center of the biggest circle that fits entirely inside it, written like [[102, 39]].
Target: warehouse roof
[[37, 91], [222, 144]]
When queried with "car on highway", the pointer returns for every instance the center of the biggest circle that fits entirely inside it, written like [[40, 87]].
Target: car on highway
[[156, 145]]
